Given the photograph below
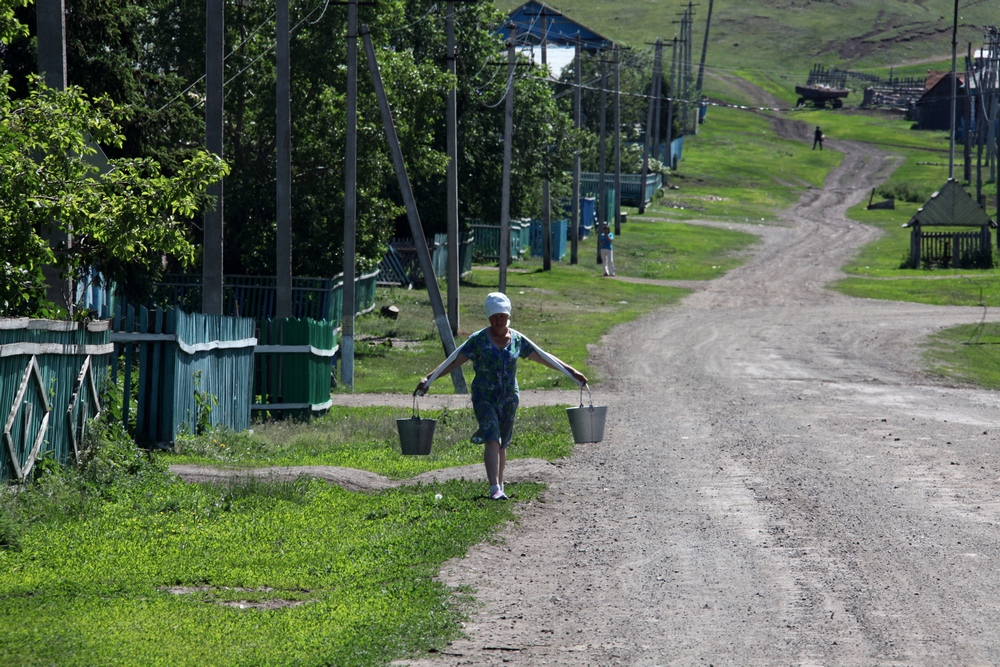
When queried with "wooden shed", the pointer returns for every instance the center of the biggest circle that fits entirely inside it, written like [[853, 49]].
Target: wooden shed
[[933, 109], [951, 206]]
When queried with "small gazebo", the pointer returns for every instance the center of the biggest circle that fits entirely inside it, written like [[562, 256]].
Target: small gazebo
[[951, 206]]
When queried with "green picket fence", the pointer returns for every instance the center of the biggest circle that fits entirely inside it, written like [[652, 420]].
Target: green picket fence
[[191, 371], [50, 372], [486, 240], [256, 296], [293, 366], [439, 257], [632, 187]]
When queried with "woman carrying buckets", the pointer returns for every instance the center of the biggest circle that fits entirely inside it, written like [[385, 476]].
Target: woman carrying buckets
[[494, 351]]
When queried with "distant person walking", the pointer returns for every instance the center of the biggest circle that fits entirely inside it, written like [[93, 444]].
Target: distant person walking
[[818, 138], [604, 244]]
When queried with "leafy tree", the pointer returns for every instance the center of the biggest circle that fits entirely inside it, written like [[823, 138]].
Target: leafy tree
[[150, 56], [543, 138], [122, 223], [10, 27]]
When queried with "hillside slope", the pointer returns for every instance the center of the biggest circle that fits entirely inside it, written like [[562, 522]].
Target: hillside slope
[[785, 37]]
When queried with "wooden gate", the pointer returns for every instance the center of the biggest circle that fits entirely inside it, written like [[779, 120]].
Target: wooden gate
[[49, 374]]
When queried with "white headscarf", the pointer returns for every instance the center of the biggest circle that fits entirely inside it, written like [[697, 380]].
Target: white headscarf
[[497, 302]]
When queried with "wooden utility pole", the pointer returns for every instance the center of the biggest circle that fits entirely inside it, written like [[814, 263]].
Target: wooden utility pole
[[577, 123], [50, 17], [618, 142], [508, 135], [283, 146], [671, 102], [451, 130], [704, 49], [967, 143], [416, 228], [350, 201], [954, 92], [51, 26], [211, 297], [648, 130], [547, 183], [602, 160]]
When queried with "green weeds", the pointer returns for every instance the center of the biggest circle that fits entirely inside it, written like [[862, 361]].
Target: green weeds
[[118, 563], [367, 439]]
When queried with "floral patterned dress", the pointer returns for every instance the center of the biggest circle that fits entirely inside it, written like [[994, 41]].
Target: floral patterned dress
[[494, 389]]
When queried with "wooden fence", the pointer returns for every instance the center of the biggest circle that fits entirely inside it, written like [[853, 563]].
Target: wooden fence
[[557, 245], [50, 372], [950, 249], [292, 366], [486, 240], [256, 296], [190, 371], [632, 188]]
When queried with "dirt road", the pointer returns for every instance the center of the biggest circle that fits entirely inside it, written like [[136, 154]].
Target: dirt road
[[779, 483]]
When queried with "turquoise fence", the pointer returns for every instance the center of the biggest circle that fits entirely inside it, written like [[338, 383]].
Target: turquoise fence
[[256, 296], [293, 366], [631, 187], [486, 240], [191, 371], [50, 372], [557, 230], [439, 258]]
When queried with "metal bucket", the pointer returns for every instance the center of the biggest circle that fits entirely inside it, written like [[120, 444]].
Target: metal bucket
[[587, 422], [415, 434]]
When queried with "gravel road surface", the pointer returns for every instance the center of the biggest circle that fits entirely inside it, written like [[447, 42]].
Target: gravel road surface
[[779, 482]]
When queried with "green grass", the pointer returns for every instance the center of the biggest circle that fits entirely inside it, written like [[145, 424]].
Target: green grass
[[968, 353], [117, 563], [367, 439], [651, 248], [957, 290], [779, 38], [562, 310], [736, 169]]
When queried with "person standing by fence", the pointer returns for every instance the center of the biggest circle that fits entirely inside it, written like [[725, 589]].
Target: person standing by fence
[[605, 245], [494, 351]]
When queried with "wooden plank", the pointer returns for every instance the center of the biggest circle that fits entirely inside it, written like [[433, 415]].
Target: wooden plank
[[127, 381], [156, 410], [143, 397], [169, 429]]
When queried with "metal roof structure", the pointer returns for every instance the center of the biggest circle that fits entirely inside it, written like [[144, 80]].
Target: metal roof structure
[[951, 206], [559, 30]]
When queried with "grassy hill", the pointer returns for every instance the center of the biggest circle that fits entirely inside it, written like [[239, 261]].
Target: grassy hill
[[780, 39]]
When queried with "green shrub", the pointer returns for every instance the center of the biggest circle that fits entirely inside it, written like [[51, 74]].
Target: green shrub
[[908, 191], [111, 458]]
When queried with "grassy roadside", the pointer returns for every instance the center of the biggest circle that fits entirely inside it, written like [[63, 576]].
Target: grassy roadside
[[366, 439], [736, 169], [118, 563]]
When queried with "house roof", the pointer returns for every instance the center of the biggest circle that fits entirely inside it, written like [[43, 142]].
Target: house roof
[[951, 206], [560, 30], [934, 78]]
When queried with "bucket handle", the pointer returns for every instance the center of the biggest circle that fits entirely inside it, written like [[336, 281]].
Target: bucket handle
[[590, 396], [416, 408]]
